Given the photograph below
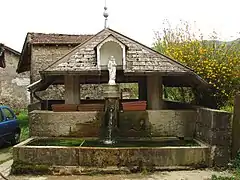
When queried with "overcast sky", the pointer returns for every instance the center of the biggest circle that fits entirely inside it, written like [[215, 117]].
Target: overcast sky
[[137, 19]]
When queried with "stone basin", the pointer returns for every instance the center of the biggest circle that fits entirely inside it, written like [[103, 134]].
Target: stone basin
[[161, 153]]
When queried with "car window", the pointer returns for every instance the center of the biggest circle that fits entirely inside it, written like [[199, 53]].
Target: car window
[[8, 114], [1, 116]]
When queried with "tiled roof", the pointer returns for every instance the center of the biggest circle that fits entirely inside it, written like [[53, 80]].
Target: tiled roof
[[42, 38], [139, 58]]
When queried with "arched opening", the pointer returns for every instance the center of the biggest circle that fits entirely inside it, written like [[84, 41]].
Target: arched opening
[[109, 49]]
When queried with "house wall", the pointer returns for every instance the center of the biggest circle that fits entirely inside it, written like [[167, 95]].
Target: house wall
[[13, 86], [41, 58], [131, 124]]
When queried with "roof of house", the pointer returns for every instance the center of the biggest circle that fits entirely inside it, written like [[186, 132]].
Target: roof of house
[[43, 38], [4, 48]]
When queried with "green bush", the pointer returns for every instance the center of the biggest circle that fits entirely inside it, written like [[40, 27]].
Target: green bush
[[215, 61]]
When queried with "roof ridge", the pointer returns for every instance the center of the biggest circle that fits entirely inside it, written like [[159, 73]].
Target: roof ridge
[[10, 49], [62, 34]]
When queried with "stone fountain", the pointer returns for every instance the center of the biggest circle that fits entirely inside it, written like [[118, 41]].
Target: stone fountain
[[109, 154]]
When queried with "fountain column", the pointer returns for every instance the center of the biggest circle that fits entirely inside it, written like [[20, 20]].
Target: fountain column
[[111, 95]]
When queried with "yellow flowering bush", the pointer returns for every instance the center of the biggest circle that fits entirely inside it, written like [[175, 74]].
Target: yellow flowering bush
[[216, 62]]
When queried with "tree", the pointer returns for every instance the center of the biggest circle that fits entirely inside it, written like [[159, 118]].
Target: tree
[[216, 62]]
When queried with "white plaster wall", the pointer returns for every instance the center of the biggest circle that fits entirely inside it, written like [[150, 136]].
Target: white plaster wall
[[111, 49]]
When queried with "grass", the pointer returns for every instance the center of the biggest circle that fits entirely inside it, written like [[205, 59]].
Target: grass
[[23, 123], [235, 168]]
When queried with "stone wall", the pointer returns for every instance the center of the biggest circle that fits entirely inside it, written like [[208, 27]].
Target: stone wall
[[131, 124], [236, 126], [13, 86], [41, 58], [215, 127], [109, 160]]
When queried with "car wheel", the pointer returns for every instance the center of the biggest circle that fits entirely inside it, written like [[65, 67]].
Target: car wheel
[[16, 138]]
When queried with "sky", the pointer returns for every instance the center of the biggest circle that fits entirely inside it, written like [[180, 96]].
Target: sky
[[138, 19]]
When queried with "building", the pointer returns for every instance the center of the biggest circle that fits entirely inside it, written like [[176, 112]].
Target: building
[[13, 86], [52, 58], [69, 65]]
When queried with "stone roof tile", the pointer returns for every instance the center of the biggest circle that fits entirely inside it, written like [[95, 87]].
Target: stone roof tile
[[43, 38], [139, 58]]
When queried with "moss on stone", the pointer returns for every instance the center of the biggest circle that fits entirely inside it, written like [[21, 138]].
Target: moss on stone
[[20, 167]]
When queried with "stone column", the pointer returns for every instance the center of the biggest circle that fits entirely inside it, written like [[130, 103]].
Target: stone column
[[236, 126], [154, 92], [72, 89], [142, 89]]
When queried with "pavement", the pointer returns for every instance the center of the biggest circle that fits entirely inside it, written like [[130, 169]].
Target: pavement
[[5, 168]]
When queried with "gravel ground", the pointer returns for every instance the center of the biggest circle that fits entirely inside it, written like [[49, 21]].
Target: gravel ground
[[173, 175]]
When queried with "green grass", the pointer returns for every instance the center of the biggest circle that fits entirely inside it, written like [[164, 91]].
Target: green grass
[[23, 123], [235, 170]]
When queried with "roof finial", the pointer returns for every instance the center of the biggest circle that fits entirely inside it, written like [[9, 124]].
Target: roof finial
[[105, 14]]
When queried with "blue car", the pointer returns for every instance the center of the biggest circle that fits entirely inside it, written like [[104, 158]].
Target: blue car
[[9, 127]]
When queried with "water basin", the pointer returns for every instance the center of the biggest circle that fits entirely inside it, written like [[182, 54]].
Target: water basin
[[91, 153], [118, 144]]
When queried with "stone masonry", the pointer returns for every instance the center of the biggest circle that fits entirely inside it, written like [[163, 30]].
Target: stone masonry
[[215, 127], [13, 86], [236, 126], [151, 123]]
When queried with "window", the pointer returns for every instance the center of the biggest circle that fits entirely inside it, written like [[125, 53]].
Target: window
[[8, 114]]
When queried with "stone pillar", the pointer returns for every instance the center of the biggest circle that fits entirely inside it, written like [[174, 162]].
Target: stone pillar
[[142, 90], [154, 92], [236, 126], [72, 89]]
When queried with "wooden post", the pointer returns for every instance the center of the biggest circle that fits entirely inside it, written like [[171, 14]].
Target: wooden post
[[142, 89], [236, 126], [154, 92], [72, 90]]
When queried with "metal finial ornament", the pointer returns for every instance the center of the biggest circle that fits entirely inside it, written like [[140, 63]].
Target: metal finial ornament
[[105, 15]]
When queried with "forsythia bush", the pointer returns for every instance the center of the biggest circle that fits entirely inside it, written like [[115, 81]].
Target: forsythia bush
[[216, 62]]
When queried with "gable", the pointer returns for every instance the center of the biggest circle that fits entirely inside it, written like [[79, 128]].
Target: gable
[[111, 46], [139, 58]]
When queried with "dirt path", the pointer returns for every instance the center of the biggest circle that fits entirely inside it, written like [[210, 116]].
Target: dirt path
[[173, 175], [5, 154]]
